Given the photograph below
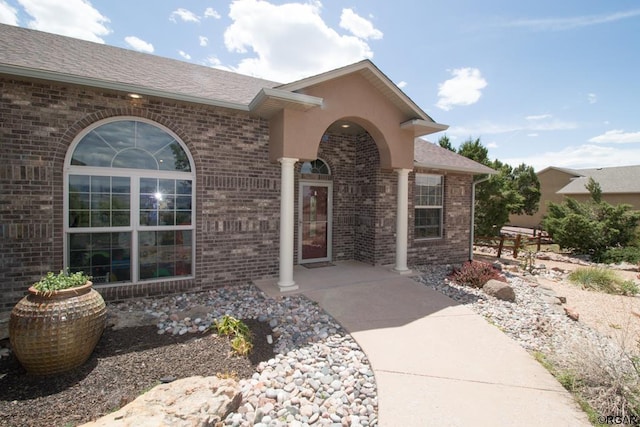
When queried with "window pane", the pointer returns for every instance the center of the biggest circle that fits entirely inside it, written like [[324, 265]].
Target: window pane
[[148, 185], [160, 204], [165, 253], [173, 158], [428, 191], [428, 223], [79, 183], [104, 256], [183, 186], [135, 159], [92, 151], [131, 144], [100, 184], [95, 206]]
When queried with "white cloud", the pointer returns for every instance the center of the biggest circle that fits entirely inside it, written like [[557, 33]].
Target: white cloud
[[538, 117], [184, 54], [287, 42], [73, 18], [358, 26], [211, 13], [592, 98], [492, 145], [402, 84], [617, 136], [532, 135], [465, 88], [204, 41], [570, 23], [580, 157], [139, 44], [213, 61], [490, 128], [8, 14], [184, 14]]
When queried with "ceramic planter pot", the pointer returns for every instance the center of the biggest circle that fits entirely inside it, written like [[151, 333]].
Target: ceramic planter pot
[[54, 332]]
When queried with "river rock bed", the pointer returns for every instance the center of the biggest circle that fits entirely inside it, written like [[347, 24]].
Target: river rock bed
[[536, 320], [317, 376]]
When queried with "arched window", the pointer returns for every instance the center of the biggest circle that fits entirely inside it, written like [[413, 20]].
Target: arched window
[[316, 166], [129, 198]]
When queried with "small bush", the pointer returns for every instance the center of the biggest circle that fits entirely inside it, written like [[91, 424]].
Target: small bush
[[52, 282], [630, 254], [475, 274], [603, 280], [238, 330]]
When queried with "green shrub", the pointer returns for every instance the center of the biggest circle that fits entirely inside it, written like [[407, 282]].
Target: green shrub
[[238, 330], [603, 280], [475, 274], [591, 227], [630, 254], [52, 282]]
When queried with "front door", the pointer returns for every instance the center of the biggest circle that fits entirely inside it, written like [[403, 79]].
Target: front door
[[314, 243]]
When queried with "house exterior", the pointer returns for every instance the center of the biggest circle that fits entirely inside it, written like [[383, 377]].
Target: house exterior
[[157, 176], [619, 185]]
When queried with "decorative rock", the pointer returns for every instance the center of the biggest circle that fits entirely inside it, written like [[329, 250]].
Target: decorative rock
[[572, 313], [499, 290], [186, 402]]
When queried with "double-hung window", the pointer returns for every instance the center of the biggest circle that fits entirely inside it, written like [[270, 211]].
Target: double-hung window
[[428, 203], [129, 199]]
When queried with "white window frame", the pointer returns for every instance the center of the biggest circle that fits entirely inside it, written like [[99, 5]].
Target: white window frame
[[430, 207], [134, 227]]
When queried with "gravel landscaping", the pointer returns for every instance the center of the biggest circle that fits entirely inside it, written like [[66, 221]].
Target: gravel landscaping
[[305, 369]]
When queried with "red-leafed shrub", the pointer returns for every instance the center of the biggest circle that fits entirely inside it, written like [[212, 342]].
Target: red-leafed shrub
[[475, 273]]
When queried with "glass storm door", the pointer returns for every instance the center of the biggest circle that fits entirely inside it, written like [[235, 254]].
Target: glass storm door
[[315, 222]]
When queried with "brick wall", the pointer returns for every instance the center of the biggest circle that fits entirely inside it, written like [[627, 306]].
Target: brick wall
[[237, 189], [453, 248]]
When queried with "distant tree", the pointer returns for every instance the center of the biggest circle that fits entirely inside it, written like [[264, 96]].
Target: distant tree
[[444, 142], [510, 191], [594, 189], [474, 150], [526, 183]]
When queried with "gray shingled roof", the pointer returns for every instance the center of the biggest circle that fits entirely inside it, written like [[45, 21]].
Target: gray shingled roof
[[35, 50], [430, 155], [621, 179]]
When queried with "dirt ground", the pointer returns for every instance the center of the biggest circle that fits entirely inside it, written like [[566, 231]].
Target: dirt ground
[[125, 363]]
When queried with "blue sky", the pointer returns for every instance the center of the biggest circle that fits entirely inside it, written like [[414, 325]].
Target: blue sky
[[546, 83]]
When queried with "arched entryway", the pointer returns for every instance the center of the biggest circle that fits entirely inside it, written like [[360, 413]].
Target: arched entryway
[[361, 105]]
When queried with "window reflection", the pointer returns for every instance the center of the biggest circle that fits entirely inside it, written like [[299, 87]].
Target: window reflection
[[131, 144]]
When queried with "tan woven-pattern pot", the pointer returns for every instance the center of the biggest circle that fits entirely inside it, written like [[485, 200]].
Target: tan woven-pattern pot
[[55, 332]]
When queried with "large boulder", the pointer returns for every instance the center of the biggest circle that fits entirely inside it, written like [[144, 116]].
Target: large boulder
[[188, 402], [500, 290]]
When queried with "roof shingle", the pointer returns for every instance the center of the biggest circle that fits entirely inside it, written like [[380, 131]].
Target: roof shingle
[[430, 155]]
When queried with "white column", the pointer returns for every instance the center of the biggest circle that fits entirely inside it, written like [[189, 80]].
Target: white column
[[402, 216], [285, 282]]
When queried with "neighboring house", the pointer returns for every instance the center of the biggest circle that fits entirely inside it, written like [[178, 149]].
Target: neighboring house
[[619, 185], [158, 176]]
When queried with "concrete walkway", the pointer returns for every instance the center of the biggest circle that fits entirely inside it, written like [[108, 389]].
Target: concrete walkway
[[436, 363]]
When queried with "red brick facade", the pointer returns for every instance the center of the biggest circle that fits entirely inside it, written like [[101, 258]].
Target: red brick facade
[[237, 190]]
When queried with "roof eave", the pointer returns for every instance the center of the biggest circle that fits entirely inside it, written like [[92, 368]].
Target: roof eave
[[461, 169], [117, 86], [423, 127], [268, 101]]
